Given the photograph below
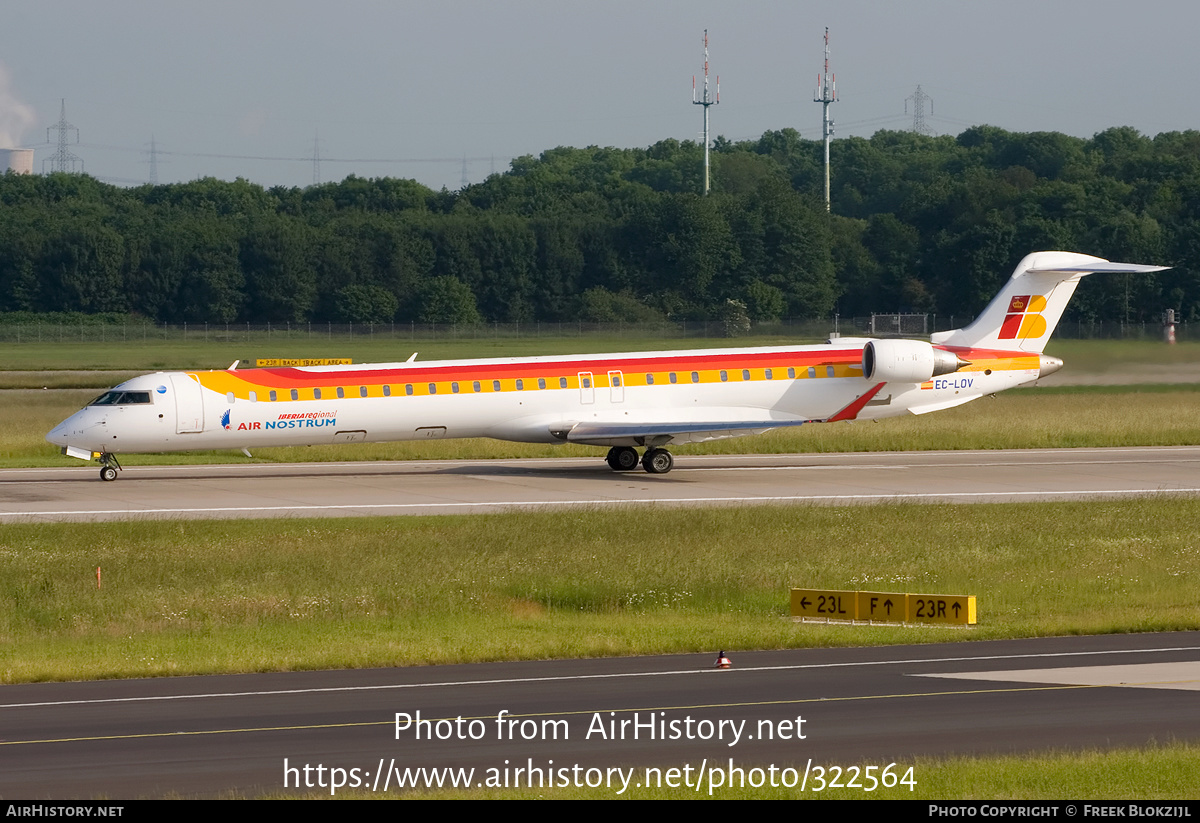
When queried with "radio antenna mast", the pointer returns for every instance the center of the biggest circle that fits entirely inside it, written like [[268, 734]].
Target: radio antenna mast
[[826, 94], [706, 101]]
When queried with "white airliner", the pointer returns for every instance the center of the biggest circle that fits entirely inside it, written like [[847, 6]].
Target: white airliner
[[623, 401]]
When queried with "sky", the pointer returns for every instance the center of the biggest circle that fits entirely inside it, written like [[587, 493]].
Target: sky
[[447, 91]]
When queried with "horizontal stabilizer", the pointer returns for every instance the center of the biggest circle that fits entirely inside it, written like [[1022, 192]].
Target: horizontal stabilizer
[[1099, 268]]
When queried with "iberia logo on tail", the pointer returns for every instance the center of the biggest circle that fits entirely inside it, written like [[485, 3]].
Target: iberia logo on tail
[[1024, 318]]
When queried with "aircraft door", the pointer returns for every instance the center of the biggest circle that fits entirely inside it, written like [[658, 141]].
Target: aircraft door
[[616, 387], [189, 404], [587, 388]]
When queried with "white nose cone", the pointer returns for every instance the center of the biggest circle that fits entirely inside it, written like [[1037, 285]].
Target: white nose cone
[[69, 431], [58, 434]]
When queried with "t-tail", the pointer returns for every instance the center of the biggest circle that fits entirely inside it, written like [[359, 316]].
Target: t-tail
[[1023, 315]]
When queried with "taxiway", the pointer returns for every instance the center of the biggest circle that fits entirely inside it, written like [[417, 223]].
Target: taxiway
[[456, 487]]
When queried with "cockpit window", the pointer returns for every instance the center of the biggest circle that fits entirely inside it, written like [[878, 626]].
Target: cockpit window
[[122, 398]]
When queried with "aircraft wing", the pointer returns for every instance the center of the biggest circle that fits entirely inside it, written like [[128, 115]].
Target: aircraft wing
[[663, 432], [658, 434]]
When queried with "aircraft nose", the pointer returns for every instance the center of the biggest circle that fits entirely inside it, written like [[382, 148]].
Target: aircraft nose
[[58, 434], [68, 432]]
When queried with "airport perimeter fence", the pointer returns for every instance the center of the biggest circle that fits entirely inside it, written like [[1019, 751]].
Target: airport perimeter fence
[[791, 329]]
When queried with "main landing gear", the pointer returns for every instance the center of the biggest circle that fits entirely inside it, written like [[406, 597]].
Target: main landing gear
[[109, 467], [625, 458]]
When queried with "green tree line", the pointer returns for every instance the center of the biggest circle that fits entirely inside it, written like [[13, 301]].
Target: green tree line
[[918, 223]]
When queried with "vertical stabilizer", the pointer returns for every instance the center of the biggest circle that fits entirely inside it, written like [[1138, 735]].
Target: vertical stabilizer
[[1025, 312]]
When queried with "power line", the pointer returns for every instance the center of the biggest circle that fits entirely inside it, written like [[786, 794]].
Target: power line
[[306, 159]]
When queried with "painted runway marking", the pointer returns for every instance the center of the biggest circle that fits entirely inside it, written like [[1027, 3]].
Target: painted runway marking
[[1182, 676], [603, 676], [527, 504], [1062, 456], [747, 704]]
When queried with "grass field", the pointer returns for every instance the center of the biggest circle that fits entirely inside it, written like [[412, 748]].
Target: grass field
[[198, 597], [196, 353]]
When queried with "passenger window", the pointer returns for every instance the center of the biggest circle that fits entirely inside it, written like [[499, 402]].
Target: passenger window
[[387, 391], [316, 394], [672, 377], [541, 382], [791, 373], [295, 394], [362, 391], [562, 382], [649, 380], [495, 385], [433, 388], [341, 392], [812, 372], [587, 382], [273, 396], [454, 387], [408, 389], [229, 396], [476, 386], [695, 377], [724, 375], [253, 397], [829, 371], [745, 374], [520, 384], [767, 374]]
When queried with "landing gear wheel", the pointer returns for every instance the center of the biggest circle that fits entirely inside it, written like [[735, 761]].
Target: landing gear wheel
[[622, 458], [108, 474], [657, 461]]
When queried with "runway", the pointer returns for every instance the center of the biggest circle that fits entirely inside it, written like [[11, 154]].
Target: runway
[[795, 710], [452, 487]]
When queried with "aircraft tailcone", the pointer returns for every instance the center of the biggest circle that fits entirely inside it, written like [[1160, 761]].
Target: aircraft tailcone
[[1048, 365]]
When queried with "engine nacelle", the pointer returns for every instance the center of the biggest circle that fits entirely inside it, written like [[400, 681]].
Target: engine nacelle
[[907, 361]]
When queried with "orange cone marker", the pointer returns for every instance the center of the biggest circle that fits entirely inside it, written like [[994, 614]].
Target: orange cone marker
[[722, 661]]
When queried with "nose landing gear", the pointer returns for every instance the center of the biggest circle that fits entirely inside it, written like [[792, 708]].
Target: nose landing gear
[[109, 467]]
